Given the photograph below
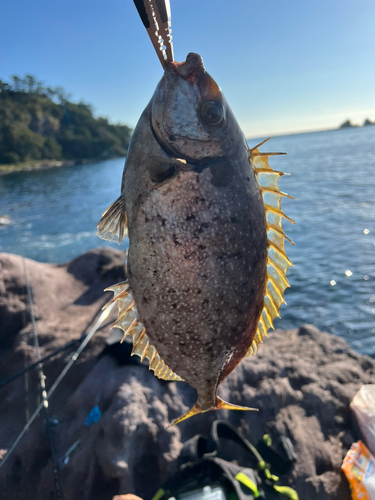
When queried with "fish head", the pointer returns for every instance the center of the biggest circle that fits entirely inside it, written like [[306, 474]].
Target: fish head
[[190, 115]]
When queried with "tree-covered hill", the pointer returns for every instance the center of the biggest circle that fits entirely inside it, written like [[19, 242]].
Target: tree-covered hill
[[40, 123]]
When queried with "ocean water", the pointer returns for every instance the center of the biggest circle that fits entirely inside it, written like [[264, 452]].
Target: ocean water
[[332, 177]]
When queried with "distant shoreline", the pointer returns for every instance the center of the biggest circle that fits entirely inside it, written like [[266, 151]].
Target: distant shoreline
[[259, 137], [47, 164]]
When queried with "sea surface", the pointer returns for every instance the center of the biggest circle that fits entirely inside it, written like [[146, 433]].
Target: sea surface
[[332, 177]]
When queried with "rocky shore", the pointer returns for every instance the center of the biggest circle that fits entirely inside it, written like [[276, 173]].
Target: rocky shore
[[302, 382], [46, 164]]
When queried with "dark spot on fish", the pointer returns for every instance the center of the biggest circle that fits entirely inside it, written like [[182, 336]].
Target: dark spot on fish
[[161, 219], [197, 200], [205, 301], [171, 290], [199, 291], [144, 299], [201, 227], [202, 247], [175, 241], [172, 137], [190, 217], [174, 306], [234, 220], [155, 271]]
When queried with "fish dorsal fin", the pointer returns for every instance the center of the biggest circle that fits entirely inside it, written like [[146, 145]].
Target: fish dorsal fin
[[129, 324], [113, 224], [278, 263]]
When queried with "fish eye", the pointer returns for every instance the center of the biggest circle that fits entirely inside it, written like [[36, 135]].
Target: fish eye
[[212, 113]]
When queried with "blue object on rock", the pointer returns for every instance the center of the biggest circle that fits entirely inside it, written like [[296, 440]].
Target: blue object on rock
[[94, 416]]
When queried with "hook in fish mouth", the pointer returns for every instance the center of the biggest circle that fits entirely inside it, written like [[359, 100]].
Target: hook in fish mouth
[[156, 18]]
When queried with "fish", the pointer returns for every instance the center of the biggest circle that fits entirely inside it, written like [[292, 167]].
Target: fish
[[206, 261]]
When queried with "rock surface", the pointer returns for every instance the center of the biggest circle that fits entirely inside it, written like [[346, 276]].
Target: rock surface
[[302, 382]]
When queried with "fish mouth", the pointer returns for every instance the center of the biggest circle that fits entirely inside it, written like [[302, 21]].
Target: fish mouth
[[188, 69]]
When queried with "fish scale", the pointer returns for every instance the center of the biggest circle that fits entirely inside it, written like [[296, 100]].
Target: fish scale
[[206, 264]]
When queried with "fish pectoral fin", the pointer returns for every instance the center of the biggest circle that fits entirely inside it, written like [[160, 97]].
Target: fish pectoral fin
[[219, 405], [113, 224]]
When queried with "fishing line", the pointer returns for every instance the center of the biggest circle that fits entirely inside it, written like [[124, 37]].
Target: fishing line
[[24, 319], [73, 358], [27, 368], [42, 382]]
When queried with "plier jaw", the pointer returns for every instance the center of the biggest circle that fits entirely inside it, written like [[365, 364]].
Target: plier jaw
[[156, 18]]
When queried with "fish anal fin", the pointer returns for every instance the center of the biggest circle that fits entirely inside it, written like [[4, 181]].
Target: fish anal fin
[[219, 405], [113, 224], [127, 320]]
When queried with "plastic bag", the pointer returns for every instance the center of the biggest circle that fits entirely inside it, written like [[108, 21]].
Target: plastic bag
[[363, 407], [359, 468]]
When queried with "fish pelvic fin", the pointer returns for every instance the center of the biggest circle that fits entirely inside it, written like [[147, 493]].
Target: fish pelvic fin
[[113, 224], [278, 262], [219, 405], [128, 322]]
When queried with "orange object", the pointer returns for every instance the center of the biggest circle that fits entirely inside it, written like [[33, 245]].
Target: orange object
[[359, 468]]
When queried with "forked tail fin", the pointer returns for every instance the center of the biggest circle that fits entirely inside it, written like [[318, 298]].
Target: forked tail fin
[[219, 405]]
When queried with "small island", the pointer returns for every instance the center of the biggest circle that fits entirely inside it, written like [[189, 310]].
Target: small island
[[349, 124], [41, 126]]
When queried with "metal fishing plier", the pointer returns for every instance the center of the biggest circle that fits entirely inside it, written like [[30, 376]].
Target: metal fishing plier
[[156, 18]]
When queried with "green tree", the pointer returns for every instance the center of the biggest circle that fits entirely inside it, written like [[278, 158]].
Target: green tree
[[40, 122]]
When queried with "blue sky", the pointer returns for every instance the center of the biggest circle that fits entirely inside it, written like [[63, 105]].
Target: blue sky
[[284, 65]]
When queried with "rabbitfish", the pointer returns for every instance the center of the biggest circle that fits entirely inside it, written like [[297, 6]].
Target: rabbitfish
[[206, 262]]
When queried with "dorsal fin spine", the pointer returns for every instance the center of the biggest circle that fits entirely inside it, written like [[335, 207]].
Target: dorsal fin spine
[[124, 312], [277, 262]]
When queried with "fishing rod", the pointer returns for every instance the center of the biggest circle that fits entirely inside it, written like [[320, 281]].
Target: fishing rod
[[42, 384], [18, 374], [73, 358]]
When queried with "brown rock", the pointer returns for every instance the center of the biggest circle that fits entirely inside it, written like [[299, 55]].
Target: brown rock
[[301, 381]]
